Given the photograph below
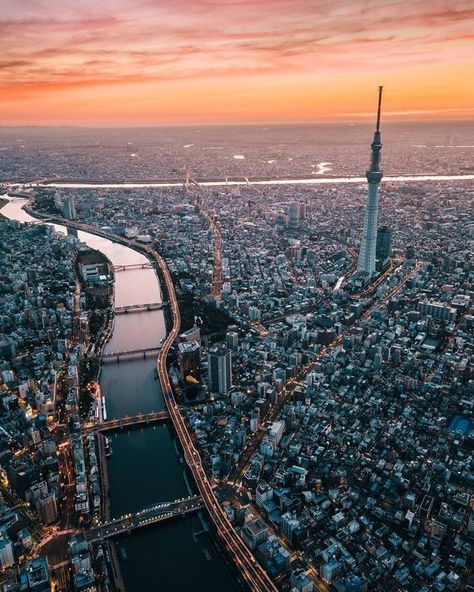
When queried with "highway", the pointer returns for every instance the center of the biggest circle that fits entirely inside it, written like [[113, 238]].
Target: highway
[[407, 276], [251, 571], [217, 273], [217, 279]]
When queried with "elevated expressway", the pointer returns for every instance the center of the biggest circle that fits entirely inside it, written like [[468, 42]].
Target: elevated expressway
[[251, 571]]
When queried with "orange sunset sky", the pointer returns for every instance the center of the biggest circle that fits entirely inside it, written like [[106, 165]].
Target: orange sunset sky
[[152, 62]]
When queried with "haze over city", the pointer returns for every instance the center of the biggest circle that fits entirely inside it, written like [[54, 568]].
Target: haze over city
[[236, 296]]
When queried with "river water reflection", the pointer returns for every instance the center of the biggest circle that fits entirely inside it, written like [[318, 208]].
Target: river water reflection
[[146, 466]]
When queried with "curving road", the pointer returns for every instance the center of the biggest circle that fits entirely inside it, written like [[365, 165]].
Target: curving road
[[244, 560], [251, 571]]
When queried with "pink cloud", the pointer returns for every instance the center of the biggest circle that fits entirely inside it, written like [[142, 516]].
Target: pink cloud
[[173, 39]]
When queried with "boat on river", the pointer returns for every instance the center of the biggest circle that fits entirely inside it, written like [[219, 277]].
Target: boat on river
[[108, 447]]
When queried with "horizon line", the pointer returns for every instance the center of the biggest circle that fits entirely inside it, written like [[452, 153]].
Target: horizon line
[[350, 122]]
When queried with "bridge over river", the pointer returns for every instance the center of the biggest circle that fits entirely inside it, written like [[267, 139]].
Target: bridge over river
[[116, 356], [146, 517], [118, 268], [139, 307], [130, 421]]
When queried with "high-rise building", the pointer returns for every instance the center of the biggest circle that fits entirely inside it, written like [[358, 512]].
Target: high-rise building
[[263, 493], [21, 475], [254, 532], [296, 213], [255, 421], [289, 524], [69, 208], [300, 581], [48, 508], [383, 250], [7, 557], [189, 355], [219, 361], [232, 339], [329, 571], [353, 584], [437, 310], [470, 525], [293, 215], [193, 334], [302, 211], [366, 262], [254, 313], [37, 574]]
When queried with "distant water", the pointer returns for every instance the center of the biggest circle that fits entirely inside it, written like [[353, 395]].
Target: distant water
[[145, 466], [278, 151]]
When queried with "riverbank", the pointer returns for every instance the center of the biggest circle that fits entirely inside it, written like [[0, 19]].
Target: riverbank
[[99, 345], [242, 558], [327, 180], [145, 467], [3, 202]]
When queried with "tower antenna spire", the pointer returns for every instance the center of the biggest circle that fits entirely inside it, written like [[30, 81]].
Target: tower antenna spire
[[379, 108], [366, 262]]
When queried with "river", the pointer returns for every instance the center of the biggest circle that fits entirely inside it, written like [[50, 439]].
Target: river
[[146, 466], [245, 181]]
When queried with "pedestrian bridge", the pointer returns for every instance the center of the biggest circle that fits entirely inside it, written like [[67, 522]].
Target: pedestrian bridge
[[150, 515]]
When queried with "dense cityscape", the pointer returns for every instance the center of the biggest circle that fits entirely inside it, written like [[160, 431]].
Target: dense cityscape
[[237, 296], [315, 360]]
